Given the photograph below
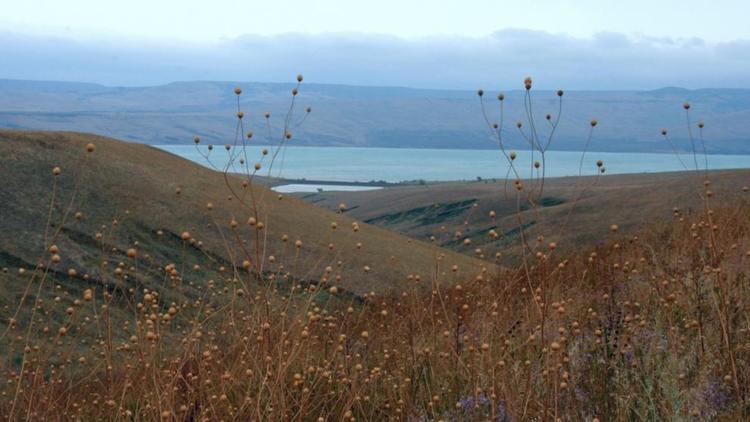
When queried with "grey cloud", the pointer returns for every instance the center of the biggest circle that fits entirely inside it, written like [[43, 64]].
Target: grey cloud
[[607, 60]]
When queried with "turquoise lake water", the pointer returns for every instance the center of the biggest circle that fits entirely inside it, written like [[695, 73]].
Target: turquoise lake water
[[344, 164]]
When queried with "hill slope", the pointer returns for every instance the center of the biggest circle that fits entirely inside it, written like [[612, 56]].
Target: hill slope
[[575, 212], [135, 196]]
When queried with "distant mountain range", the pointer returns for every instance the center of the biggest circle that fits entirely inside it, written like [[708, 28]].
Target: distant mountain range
[[376, 116]]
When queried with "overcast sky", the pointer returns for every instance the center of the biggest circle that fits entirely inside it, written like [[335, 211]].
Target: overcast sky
[[576, 44]]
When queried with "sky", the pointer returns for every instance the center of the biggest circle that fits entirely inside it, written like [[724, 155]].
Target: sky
[[715, 20], [634, 44]]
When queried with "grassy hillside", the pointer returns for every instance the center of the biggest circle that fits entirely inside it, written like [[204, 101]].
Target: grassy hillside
[[573, 212], [129, 193], [374, 116]]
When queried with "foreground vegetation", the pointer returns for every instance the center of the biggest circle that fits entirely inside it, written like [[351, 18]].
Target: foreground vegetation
[[648, 325]]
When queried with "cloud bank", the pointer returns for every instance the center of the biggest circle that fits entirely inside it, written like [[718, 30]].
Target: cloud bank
[[606, 61]]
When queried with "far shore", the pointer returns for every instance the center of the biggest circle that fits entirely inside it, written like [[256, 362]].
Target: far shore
[[275, 181]]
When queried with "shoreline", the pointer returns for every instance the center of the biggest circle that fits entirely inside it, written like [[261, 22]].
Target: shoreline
[[274, 182]]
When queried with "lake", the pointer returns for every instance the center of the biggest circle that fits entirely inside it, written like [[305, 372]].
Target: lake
[[346, 164]]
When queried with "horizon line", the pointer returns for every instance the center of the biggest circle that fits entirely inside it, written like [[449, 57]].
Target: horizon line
[[403, 87]]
